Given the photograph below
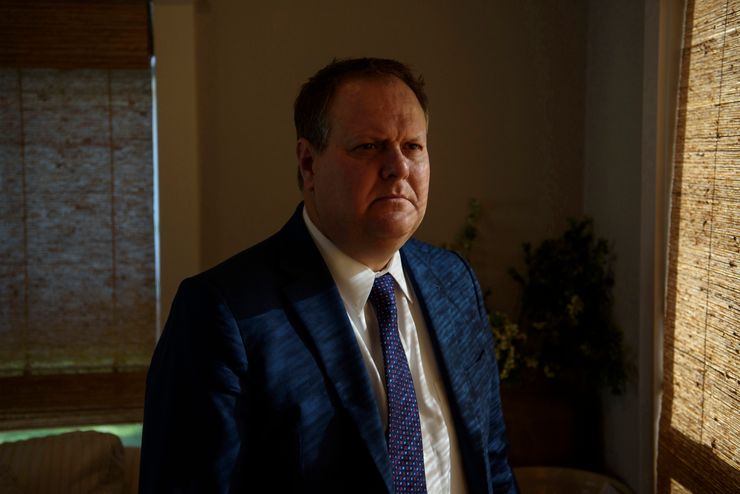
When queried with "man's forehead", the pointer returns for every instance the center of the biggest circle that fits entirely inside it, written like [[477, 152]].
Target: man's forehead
[[365, 83], [369, 94]]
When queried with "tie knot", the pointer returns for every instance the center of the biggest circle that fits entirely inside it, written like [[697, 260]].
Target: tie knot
[[383, 295]]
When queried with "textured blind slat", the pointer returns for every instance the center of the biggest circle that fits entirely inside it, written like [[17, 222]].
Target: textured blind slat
[[77, 259], [699, 437], [66, 34]]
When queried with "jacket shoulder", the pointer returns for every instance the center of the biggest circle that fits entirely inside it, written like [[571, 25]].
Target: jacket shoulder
[[253, 281], [446, 268], [436, 257]]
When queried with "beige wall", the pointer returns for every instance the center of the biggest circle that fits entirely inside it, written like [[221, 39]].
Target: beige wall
[[506, 83], [632, 74], [612, 195]]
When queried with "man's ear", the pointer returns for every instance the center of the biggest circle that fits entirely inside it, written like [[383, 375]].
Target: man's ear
[[305, 153]]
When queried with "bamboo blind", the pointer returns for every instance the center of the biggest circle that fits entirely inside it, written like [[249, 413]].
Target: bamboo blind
[[77, 262], [77, 259], [700, 420], [67, 34]]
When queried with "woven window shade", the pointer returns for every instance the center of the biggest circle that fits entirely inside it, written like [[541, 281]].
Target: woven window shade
[[77, 259], [64, 34], [700, 420]]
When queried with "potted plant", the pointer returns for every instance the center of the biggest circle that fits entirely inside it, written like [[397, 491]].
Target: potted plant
[[566, 334], [562, 348]]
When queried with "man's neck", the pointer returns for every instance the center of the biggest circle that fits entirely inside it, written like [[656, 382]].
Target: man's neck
[[373, 260]]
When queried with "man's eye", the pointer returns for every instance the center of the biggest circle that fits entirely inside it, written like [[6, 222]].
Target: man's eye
[[369, 146], [414, 146]]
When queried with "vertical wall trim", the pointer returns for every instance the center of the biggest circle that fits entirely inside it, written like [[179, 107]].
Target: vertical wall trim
[[177, 145], [649, 326], [670, 25]]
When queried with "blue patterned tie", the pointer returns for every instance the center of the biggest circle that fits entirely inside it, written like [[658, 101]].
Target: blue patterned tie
[[404, 432]]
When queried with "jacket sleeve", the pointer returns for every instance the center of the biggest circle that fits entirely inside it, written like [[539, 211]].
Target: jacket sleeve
[[501, 476], [196, 389]]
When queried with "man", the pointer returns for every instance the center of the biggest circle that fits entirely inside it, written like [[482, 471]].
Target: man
[[337, 355]]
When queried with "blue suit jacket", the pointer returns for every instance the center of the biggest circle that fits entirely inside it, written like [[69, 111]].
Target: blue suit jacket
[[257, 383]]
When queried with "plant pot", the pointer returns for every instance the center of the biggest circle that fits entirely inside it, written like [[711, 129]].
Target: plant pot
[[550, 426]]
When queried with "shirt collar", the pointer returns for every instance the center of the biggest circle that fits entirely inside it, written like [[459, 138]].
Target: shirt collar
[[354, 279]]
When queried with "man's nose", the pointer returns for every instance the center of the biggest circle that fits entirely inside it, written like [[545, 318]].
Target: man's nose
[[395, 163]]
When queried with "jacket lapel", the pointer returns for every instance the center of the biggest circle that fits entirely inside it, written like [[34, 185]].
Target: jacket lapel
[[456, 350], [316, 300]]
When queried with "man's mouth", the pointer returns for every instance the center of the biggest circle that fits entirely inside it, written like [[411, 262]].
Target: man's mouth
[[392, 198]]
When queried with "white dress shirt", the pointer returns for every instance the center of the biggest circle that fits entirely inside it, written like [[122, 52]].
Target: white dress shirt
[[442, 462]]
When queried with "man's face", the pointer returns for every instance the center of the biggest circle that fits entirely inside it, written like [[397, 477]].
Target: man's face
[[367, 191]]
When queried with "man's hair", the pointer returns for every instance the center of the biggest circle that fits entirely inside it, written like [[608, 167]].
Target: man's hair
[[311, 107]]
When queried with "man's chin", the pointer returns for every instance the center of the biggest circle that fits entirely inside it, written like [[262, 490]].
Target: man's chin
[[391, 228]]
